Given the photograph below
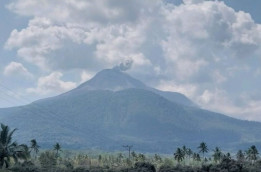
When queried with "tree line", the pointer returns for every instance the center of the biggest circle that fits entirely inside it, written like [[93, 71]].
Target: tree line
[[251, 154], [29, 158]]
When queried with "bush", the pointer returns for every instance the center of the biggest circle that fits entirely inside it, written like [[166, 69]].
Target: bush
[[166, 168], [48, 160], [25, 167], [80, 169], [144, 167], [179, 168], [67, 164]]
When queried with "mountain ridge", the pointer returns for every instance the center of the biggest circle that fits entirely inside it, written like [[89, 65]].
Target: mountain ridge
[[105, 119], [116, 80]]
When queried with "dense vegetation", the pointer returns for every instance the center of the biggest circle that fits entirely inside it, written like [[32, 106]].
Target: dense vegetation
[[28, 158]]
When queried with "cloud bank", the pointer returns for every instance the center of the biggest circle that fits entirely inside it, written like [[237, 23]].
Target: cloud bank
[[15, 68], [52, 84], [204, 49]]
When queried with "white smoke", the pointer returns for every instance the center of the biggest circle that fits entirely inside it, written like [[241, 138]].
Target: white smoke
[[124, 66]]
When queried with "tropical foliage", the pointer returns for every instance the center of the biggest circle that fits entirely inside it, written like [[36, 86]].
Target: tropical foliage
[[57, 148], [10, 149], [22, 158], [34, 148], [203, 149]]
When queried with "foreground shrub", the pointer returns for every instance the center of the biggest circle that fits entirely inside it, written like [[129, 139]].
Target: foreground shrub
[[24, 167], [228, 164], [48, 160], [166, 168], [80, 169], [144, 167], [179, 168]]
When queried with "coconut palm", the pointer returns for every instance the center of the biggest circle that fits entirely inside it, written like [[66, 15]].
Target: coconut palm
[[100, 159], [252, 153], [184, 150], [240, 156], [34, 147], [217, 154], [120, 157], [23, 152], [228, 156], [9, 149], [57, 147], [203, 148], [196, 157], [179, 155], [134, 156], [189, 153]]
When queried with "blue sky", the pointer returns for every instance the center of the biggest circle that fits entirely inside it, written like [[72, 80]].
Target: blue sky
[[208, 50]]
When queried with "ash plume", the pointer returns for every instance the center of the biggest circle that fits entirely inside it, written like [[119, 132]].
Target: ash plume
[[124, 66]]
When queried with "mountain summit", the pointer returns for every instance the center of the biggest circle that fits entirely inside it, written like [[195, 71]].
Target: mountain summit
[[117, 80], [113, 109], [112, 79]]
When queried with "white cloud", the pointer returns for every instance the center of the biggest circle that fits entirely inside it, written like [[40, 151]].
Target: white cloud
[[83, 11], [218, 77], [99, 46], [16, 69], [220, 101], [41, 38], [192, 1], [52, 84], [205, 31], [85, 76], [199, 48], [251, 111], [186, 89]]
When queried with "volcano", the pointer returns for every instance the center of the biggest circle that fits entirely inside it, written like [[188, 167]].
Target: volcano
[[113, 109]]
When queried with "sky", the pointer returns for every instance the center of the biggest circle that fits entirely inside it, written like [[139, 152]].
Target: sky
[[209, 51]]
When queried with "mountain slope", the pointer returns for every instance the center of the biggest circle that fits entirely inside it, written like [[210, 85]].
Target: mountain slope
[[115, 80], [111, 79], [105, 119]]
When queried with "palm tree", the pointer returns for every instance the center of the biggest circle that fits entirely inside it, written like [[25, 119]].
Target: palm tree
[[252, 153], [189, 153], [240, 156], [184, 150], [57, 147], [217, 154], [203, 148], [196, 157], [9, 149], [100, 159], [34, 147], [120, 157], [134, 156], [228, 156], [23, 152], [179, 155]]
